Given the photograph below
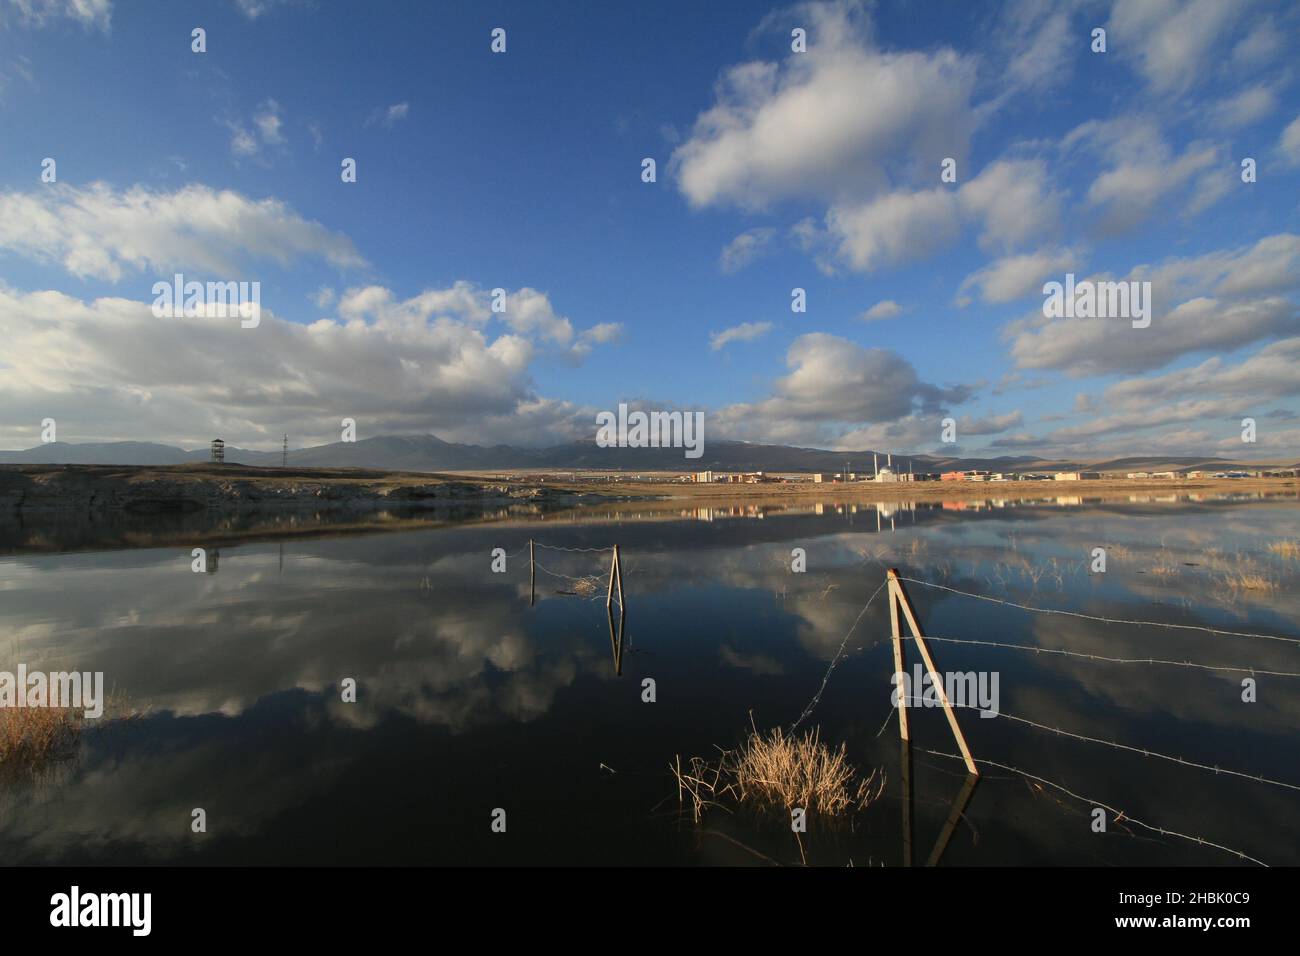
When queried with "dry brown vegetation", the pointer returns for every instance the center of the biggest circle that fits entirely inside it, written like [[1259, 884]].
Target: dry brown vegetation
[[777, 771], [32, 738], [1286, 549], [1250, 581]]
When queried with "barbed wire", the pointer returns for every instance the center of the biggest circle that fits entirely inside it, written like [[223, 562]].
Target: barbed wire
[[1225, 668], [1094, 617], [835, 661], [553, 547], [1258, 778], [1120, 815]]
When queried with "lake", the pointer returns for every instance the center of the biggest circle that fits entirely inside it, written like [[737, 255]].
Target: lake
[[475, 694]]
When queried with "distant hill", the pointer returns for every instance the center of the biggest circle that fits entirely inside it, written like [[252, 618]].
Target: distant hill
[[432, 454]]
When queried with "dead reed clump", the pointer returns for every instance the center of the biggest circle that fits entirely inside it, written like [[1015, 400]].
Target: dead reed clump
[[1286, 549], [778, 770], [585, 587], [1250, 581], [786, 771], [32, 738]]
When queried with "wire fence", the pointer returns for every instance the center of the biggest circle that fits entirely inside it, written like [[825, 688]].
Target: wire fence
[[1145, 752]]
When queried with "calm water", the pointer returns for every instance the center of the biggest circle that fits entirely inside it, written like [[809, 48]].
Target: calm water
[[470, 699]]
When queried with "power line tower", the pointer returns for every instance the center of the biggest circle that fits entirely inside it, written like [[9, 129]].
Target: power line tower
[[284, 455]]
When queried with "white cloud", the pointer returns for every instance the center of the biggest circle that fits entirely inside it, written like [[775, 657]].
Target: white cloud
[[268, 123], [1011, 202], [1039, 40], [1174, 43], [745, 248], [1014, 277], [255, 8], [1289, 143], [1244, 108], [989, 424], [835, 384], [745, 332], [1099, 346], [1014, 202], [1142, 171], [440, 361], [38, 13], [894, 228], [267, 130], [1269, 373], [1219, 301], [389, 116], [886, 309], [831, 122], [95, 231]]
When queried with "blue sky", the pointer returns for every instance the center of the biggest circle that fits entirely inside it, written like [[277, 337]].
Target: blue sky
[[775, 170]]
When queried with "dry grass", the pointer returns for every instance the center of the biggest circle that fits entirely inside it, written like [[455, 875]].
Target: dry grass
[[782, 770], [1286, 549], [32, 738], [1250, 581], [778, 771]]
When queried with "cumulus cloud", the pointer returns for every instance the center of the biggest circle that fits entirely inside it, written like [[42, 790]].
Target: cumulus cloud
[[894, 228], [1036, 38], [828, 123], [1014, 277], [833, 386], [95, 231], [745, 332], [745, 248], [1220, 301], [886, 309], [1269, 373], [1010, 201], [440, 361], [1243, 108], [1100, 346], [1173, 43], [389, 116], [89, 13], [989, 424], [268, 123], [1289, 143], [1141, 172], [266, 129]]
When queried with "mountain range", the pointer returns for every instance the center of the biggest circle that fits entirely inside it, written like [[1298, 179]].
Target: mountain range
[[428, 453]]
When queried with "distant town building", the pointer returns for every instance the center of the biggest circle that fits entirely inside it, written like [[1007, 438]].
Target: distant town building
[[731, 478], [1076, 476], [965, 476], [218, 454], [818, 478]]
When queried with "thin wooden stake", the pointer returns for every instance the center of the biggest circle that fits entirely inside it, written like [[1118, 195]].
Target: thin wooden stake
[[618, 562], [615, 572], [906, 765], [899, 675], [616, 638], [532, 574], [899, 595], [958, 808]]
